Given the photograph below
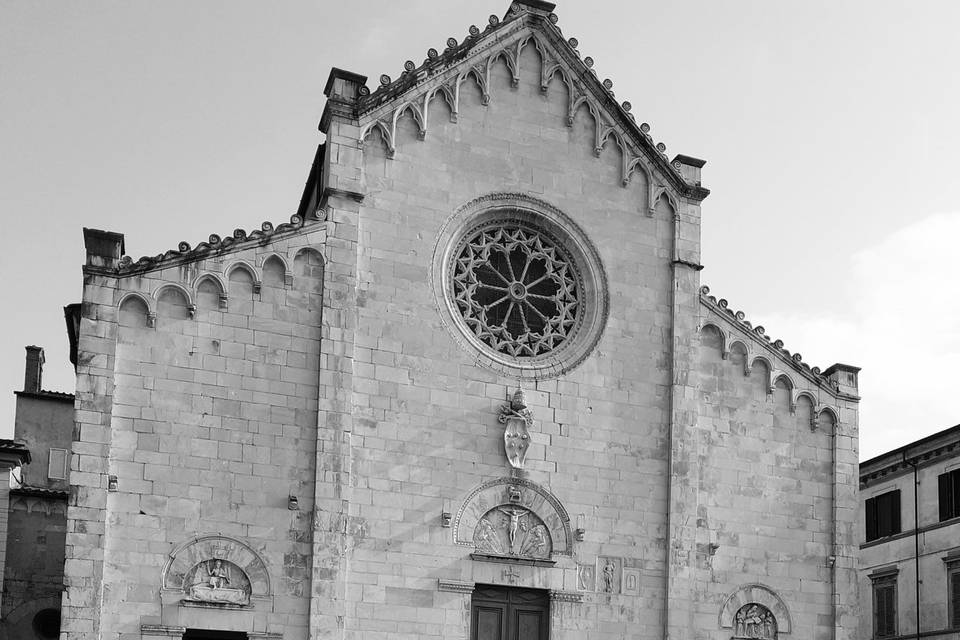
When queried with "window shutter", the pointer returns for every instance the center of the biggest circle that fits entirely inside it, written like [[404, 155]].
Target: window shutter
[[954, 494], [885, 610], [895, 512], [955, 599], [946, 496], [879, 611], [871, 519]]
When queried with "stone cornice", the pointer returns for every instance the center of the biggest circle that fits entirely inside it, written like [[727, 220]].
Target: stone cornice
[[39, 492], [46, 395], [214, 246], [455, 585], [900, 461], [566, 596]]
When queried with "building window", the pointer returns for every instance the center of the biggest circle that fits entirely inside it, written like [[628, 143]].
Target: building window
[[949, 495], [517, 289], [520, 285], [883, 515], [57, 464], [885, 605], [953, 590]]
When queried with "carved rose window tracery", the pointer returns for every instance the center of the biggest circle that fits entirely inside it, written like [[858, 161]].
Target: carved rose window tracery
[[516, 289]]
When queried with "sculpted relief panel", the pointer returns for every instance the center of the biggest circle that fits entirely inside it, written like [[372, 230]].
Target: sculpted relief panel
[[755, 622], [513, 517], [510, 530], [217, 581], [215, 570]]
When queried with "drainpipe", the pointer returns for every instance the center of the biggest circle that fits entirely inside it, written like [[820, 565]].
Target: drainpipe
[[916, 535]]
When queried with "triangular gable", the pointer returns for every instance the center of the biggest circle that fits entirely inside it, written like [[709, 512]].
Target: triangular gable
[[443, 74]]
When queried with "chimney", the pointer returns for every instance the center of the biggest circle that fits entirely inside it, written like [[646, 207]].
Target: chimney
[[844, 377], [690, 168], [104, 248], [33, 372]]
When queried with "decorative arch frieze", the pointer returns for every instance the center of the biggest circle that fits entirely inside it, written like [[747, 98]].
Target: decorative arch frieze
[[215, 278], [386, 134], [737, 606], [821, 410], [723, 336], [182, 290], [510, 59], [385, 118], [446, 94], [148, 301], [512, 500], [216, 569], [418, 117], [661, 191], [633, 166]]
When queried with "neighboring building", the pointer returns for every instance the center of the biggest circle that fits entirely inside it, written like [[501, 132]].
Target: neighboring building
[[314, 429], [12, 456], [910, 519], [37, 520]]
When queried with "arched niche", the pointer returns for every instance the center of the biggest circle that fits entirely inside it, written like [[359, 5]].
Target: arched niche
[[274, 271], [173, 302], [512, 494], [754, 594], [184, 561], [210, 291], [134, 311]]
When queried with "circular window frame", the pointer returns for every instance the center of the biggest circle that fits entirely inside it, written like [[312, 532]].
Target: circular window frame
[[540, 217]]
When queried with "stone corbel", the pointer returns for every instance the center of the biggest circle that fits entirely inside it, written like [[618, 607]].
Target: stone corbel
[[151, 319]]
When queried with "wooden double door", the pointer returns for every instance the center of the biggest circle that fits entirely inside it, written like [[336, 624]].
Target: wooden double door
[[506, 613]]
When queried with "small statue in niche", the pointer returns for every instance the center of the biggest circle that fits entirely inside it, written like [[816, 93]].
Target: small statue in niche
[[218, 576], [755, 622], [516, 435], [609, 571]]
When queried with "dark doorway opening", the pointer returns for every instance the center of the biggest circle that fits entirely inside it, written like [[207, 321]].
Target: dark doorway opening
[[203, 634], [46, 624], [509, 613]]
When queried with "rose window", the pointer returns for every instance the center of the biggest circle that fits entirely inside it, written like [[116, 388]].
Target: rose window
[[517, 290]]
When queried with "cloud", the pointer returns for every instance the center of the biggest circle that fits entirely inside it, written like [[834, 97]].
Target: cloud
[[898, 319]]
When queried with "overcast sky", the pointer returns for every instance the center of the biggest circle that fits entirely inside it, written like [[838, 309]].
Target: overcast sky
[[830, 131]]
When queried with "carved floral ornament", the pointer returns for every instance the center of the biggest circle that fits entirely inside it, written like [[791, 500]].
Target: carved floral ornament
[[519, 282]]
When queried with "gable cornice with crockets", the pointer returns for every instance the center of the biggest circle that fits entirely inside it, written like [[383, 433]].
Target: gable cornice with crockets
[[443, 74]]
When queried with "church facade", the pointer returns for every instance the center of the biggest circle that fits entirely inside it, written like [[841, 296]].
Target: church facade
[[473, 389]]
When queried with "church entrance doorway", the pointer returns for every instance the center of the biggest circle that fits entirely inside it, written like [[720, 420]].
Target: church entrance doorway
[[508, 613]]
